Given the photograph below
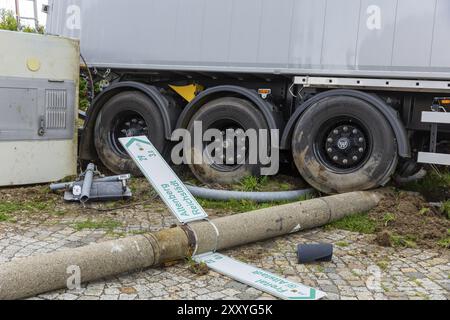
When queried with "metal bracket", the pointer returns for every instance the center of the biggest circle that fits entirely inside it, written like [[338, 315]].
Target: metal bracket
[[433, 138]]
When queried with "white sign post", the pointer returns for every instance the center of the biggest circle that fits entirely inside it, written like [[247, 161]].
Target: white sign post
[[259, 279], [169, 187]]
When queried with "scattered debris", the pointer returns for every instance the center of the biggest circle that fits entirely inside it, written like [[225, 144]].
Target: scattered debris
[[310, 253], [128, 290], [198, 268]]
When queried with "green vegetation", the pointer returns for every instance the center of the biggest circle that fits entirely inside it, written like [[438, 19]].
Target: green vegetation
[[319, 268], [360, 223], [445, 243], [342, 244], [385, 289], [240, 206], [434, 186], [83, 95], [424, 211], [408, 241], [27, 29], [260, 184], [234, 206], [4, 217], [253, 184], [7, 20], [199, 269], [445, 209], [383, 265], [106, 224], [7, 207], [388, 218]]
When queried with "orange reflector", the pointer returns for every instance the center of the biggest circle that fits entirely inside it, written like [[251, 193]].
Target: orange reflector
[[445, 101], [264, 91]]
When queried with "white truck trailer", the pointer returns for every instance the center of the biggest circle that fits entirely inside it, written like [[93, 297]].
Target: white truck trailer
[[345, 81]]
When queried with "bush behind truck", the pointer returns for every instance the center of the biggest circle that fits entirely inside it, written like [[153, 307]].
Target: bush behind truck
[[344, 81]]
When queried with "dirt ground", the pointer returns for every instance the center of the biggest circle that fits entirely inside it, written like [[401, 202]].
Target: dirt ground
[[405, 218]]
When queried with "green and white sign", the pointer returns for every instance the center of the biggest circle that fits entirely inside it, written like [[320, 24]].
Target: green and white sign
[[259, 279], [169, 187]]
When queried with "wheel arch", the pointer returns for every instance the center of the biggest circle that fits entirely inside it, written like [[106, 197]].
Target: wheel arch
[[404, 148], [87, 147], [267, 109]]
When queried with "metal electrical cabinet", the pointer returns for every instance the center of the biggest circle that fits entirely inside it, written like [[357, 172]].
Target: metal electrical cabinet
[[38, 104]]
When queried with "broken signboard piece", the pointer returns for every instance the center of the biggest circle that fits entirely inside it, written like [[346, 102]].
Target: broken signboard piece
[[164, 180], [258, 278]]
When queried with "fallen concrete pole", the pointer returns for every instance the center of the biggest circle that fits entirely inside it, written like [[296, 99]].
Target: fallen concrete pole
[[35, 275]]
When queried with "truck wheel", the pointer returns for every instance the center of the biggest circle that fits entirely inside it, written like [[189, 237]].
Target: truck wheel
[[344, 144], [127, 114], [223, 114]]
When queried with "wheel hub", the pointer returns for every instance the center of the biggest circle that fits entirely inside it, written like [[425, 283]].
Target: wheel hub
[[346, 146], [127, 124], [238, 149]]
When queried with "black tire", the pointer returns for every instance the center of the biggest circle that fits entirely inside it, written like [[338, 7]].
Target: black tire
[[118, 112], [361, 156], [230, 111]]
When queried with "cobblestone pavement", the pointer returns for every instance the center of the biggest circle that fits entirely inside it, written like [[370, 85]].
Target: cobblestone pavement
[[360, 269]]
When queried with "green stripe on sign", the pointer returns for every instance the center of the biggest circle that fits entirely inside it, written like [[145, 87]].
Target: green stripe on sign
[[312, 296], [133, 140]]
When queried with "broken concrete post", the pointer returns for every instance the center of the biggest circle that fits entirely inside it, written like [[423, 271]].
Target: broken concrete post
[[39, 274]]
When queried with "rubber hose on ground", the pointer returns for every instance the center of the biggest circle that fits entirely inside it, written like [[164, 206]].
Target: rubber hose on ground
[[258, 197], [417, 177]]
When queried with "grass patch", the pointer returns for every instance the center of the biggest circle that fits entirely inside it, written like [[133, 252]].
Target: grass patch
[[240, 206], [445, 209], [253, 184], [445, 243], [342, 244], [4, 217], [424, 211], [29, 206], [107, 224], [388, 218], [360, 223], [383, 265], [404, 241], [200, 269], [235, 206], [319, 268]]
